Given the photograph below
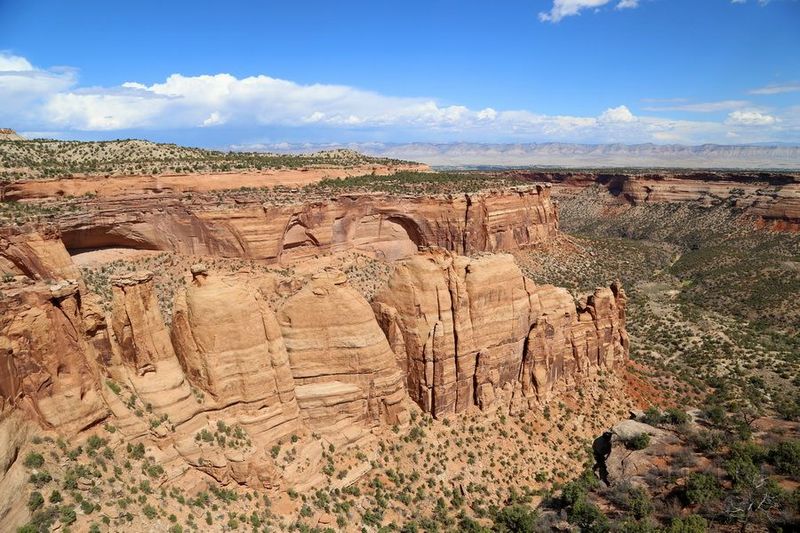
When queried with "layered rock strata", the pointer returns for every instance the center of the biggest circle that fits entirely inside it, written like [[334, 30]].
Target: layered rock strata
[[391, 227], [65, 367], [343, 367], [773, 197], [47, 362], [35, 254], [114, 185], [448, 332], [464, 329]]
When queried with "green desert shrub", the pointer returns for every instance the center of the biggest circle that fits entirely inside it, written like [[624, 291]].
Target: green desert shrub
[[515, 518], [35, 501], [785, 457], [33, 460], [638, 442], [701, 488]]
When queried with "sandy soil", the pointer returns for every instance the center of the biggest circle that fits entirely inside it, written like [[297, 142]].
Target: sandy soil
[[96, 258]]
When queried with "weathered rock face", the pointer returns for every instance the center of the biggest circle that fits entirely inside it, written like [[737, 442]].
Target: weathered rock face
[[35, 253], [455, 330], [773, 197], [345, 371], [46, 364], [137, 323], [143, 356], [448, 330], [391, 227], [466, 328], [625, 465], [230, 346], [568, 340], [116, 185], [16, 428], [51, 339], [225, 341], [778, 206]]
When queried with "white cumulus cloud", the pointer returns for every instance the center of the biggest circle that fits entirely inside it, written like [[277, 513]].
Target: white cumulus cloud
[[9, 62], [487, 114], [617, 114], [750, 118], [37, 99], [568, 8], [24, 88], [214, 119]]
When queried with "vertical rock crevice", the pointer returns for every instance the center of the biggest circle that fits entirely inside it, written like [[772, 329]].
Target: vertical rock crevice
[[523, 339]]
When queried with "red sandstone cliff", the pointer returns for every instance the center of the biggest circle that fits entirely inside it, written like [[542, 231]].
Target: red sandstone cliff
[[467, 329], [447, 332], [387, 225], [773, 197]]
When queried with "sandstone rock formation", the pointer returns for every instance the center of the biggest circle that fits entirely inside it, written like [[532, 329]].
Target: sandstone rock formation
[[146, 359], [622, 464], [776, 204], [464, 329], [345, 371], [449, 331], [46, 363], [203, 181], [7, 134], [389, 226], [229, 343], [35, 253], [773, 197]]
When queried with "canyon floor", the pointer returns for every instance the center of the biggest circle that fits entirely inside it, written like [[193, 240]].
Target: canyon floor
[[712, 382]]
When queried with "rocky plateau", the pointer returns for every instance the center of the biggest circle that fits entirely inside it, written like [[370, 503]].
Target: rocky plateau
[[248, 360], [772, 197]]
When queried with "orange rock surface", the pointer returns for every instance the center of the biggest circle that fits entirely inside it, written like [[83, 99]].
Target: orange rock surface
[[466, 330], [391, 227], [124, 185], [447, 332], [773, 197]]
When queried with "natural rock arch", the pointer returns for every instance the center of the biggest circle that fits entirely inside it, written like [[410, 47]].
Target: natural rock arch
[[296, 237], [412, 228], [392, 237], [100, 237]]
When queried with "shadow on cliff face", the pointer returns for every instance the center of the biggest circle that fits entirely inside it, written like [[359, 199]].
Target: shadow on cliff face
[[103, 237], [601, 447]]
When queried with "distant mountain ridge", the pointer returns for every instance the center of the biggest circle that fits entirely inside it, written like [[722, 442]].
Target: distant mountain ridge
[[7, 134], [776, 156]]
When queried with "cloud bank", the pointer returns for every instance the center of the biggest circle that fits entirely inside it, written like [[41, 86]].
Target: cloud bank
[[37, 99]]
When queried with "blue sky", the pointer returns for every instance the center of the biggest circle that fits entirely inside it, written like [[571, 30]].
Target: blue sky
[[225, 73]]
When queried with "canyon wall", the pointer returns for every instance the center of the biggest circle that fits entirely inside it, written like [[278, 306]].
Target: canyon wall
[[772, 197], [228, 361], [35, 254], [777, 206], [452, 329], [448, 332], [466, 329], [390, 226]]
